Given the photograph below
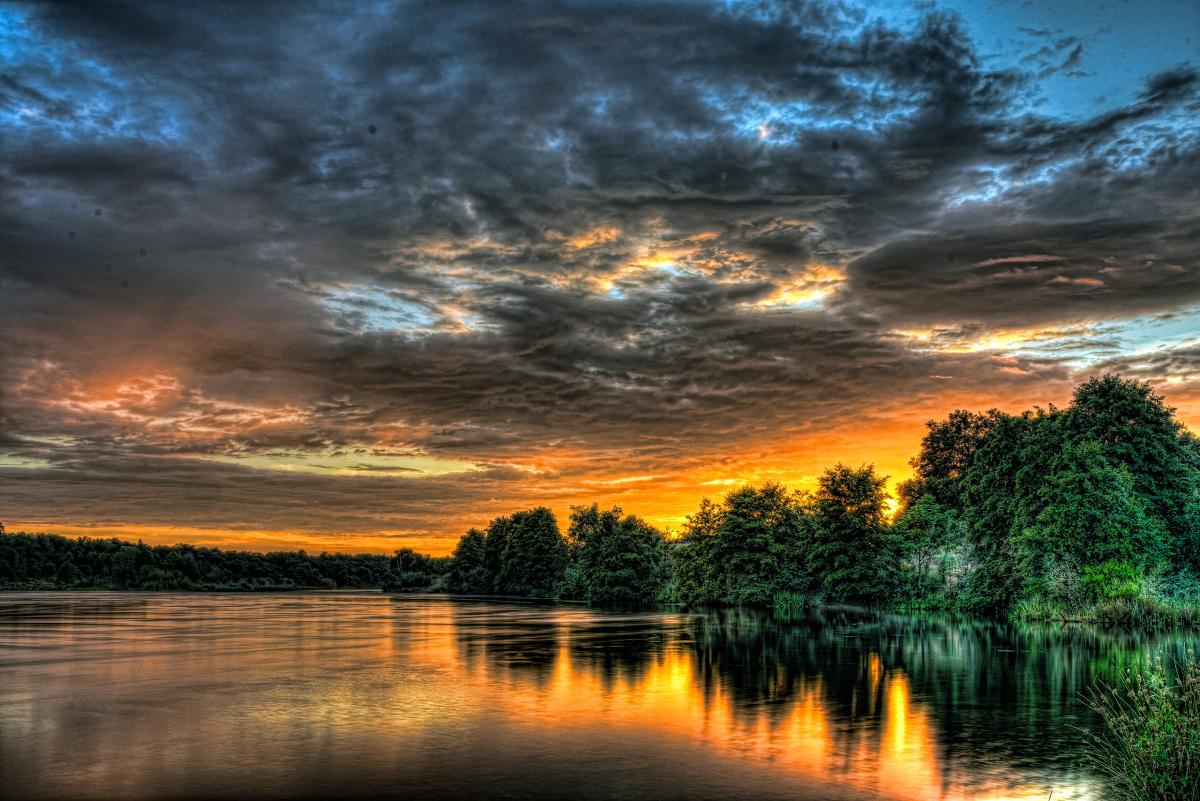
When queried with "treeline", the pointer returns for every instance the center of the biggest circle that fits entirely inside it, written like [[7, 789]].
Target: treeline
[[37, 561], [1088, 512], [1092, 511]]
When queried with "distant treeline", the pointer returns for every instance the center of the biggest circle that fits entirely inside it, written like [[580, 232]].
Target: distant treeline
[[1092, 511], [36, 561]]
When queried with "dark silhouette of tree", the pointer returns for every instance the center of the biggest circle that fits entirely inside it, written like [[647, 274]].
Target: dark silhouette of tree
[[620, 558], [468, 568], [850, 527], [535, 556]]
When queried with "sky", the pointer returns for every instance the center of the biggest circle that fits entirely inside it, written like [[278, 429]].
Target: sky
[[360, 276]]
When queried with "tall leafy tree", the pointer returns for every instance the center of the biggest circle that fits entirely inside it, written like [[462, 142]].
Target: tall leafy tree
[[693, 557], [996, 503], [621, 558], [923, 539], [850, 532], [495, 544], [1087, 511], [468, 568], [535, 556], [946, 453], [743, 550], [759, 545], [1136, 429]]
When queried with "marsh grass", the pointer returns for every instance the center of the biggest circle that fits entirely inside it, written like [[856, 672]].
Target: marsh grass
[[789, 603], [1144, 613], [1150, 748]]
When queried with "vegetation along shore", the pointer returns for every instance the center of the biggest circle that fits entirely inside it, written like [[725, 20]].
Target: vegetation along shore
[[1088, 513]]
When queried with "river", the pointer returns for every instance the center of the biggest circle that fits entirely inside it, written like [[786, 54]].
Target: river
[[365, 695]]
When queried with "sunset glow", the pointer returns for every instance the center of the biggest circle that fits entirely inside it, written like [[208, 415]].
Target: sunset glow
[[373, 304]]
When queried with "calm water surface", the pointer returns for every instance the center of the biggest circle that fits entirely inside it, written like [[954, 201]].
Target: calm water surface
[[115, 695]]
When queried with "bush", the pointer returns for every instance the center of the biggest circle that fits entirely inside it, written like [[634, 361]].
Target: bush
[[1151, 745], [1112, 580]]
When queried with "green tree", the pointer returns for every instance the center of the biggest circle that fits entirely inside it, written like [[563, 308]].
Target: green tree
[[927, 540], [468, 569], [744, 550], [495, 543], [1014, 456], [850, 533], [693, 557], [1087, 513], [1136, 429], [759, 546], [945, 456], [535, 557], [621, 558]]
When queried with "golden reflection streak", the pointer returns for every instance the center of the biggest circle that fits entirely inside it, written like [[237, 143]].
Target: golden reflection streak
[[895, 755]]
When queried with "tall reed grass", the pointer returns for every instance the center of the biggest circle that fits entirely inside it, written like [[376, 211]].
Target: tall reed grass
[[1150, 747]]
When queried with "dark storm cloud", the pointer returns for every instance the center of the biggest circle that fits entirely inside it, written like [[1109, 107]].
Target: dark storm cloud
[[644, 233]]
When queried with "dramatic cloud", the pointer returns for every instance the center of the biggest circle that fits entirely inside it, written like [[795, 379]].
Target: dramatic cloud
[[385, 270]]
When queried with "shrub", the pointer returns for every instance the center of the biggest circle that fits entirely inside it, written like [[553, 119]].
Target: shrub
[[1112, 580]]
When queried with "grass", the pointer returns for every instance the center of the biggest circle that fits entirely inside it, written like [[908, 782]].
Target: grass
[[789, 603], [1145, 613], [1150, 747]]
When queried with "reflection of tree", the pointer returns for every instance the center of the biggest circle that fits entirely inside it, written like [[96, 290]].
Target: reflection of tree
[[999, 693], [995, 695], [619, 647], [518, 639]]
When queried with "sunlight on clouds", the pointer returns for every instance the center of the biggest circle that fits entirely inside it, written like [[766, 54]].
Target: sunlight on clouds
[[810, 289], [1077, 346], [600, 235], [955, 340], [347, 462]]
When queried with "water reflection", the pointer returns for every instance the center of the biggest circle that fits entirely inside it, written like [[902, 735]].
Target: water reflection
[[298, 696]]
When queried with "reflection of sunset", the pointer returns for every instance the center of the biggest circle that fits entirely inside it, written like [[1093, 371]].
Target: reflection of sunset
[[890, 746], [309, 692]]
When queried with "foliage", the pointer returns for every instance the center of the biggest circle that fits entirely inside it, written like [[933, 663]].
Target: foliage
[[930, 556], [1112, 580], [1151, 746], [946, 453], [415, 571], [519, 554], [1137, 430], [849, 533], [1086, 508], [744, 550], [1075, 513], [468, 564], [50, 561], [534, 559], [617, 558]]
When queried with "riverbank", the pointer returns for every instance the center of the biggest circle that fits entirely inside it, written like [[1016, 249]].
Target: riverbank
[[1129, 612]]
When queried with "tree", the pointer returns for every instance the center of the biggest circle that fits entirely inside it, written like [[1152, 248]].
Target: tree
[[849, 533], [535, 556], [744, 550], [759, 545], [926, 543], [621, 558], [692, 557], [1088, 514], [495, 543], [1136, 429], [945, 456], [468, 568]]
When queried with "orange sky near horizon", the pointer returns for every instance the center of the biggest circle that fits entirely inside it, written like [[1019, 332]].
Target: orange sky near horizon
[[664, 498]]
